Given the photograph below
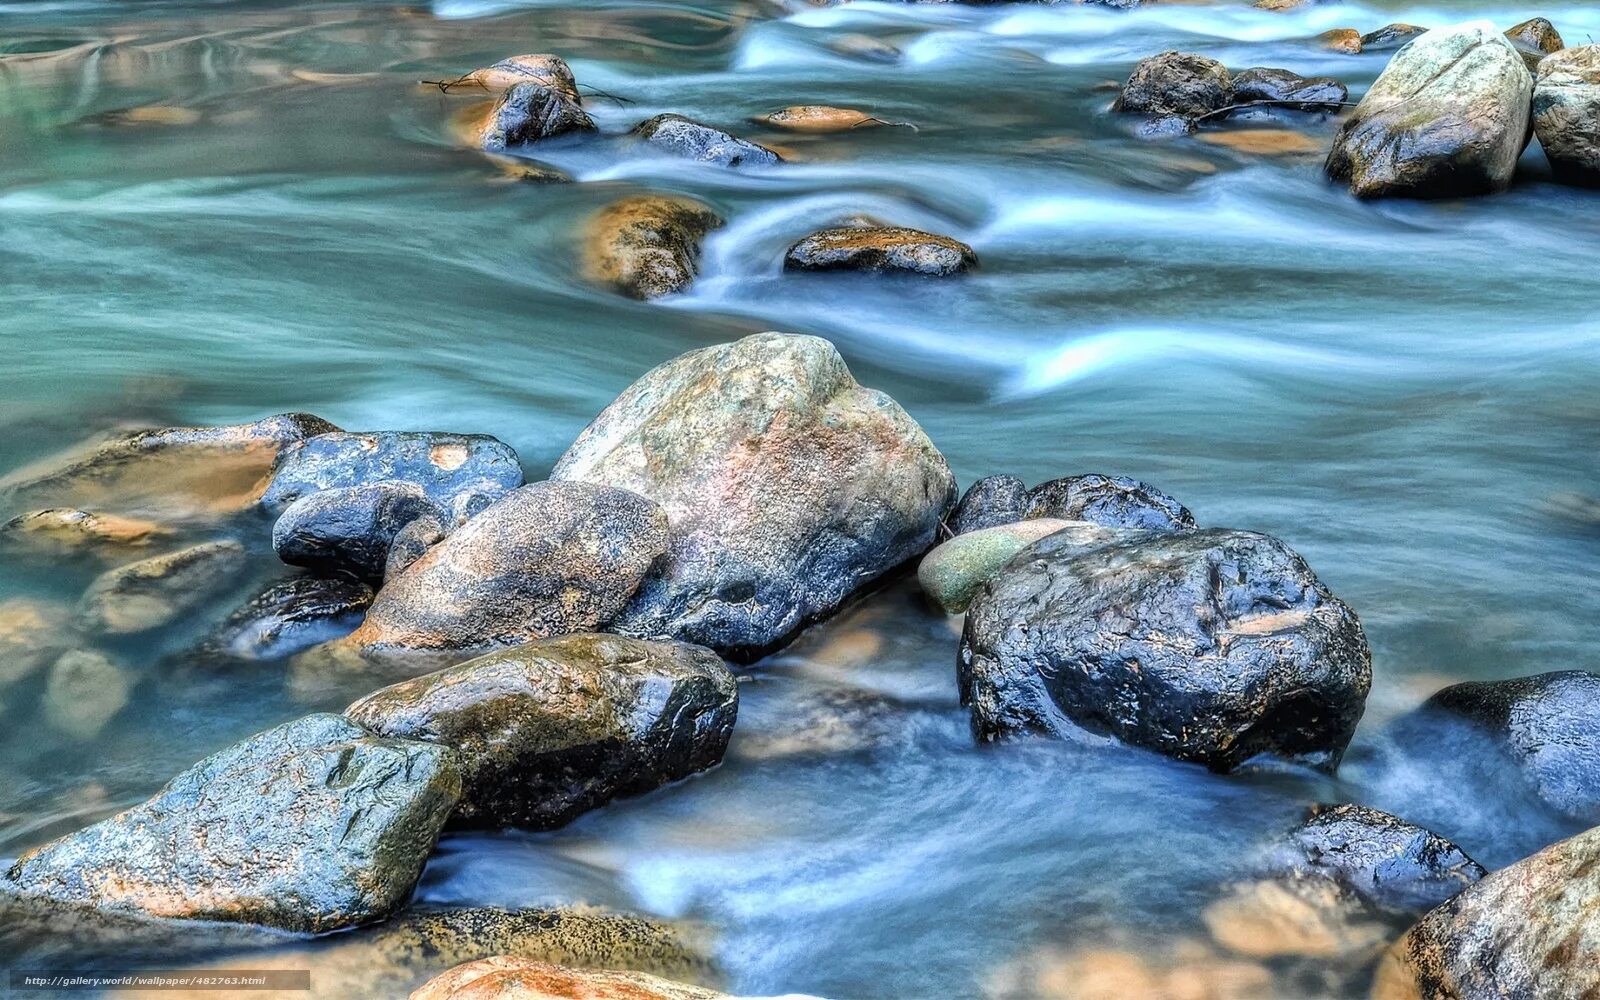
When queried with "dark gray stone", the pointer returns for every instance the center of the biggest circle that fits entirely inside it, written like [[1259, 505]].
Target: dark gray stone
[[1286, 89], [556, 727], [310, 826], [1109, 501], [529, 113], [445, 466], [1387, 861], [293, 615], [1209, 646], [1390, 36], [696, 141], [1175, 84], [351, 529], [989, 503]]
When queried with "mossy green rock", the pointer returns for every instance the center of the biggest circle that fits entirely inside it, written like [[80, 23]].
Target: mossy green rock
[[952, 573], [554, 728]]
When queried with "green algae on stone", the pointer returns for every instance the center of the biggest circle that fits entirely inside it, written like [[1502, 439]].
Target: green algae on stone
[[952, 573]]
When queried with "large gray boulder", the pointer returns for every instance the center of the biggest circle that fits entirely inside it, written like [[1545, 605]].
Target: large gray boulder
[[1530, 930], [556, 727], [448, 468], [1210, 646], [174, 473], [787, 484], [310, 826], [1566, 113], [1447, 117], [547, 559]]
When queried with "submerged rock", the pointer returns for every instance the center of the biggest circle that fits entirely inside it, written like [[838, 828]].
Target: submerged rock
[[292, 615], [310, 826], [445, 466], [85, 690], [1296, 917], [32, 634], [1387, 861], [696, 141], [551, 729], [1175, 85], [1566, 113], [787, 484], [548, 559], [67, 531], [528, 113], [1535, 38], [1110, 501], [1390, 36], [648, 246], [1209, 646], [818, 118], [540, 70], [1530, 930], [1284, 88], [1546, 724], [952, 573], [156, 592], [179, 472], [859, 46], [351, 529], [879, 250], [1447, 117], [508, 978]]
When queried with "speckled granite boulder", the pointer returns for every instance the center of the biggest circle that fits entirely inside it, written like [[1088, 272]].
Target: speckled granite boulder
[[551, 729], [1384, 859], [310, 826], [1209, 646], [881, 250], [648, 246], [1179, 85], [787, 484], [444, 466]]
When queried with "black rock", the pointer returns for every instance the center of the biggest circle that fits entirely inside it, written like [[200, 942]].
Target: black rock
[[1286, 89], [689, 138], [1387, 861], [351, 529], [1210, 646], [1390, 36], [1548, 725], [293, 615], [446, 466], [528, 113], [1175, 84], [1109, 501], [988, 503]]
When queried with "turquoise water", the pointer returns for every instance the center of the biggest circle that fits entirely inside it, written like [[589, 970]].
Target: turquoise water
[[1403, 392]]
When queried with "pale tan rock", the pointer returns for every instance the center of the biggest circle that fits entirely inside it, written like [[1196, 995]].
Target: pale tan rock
[[84, 691]]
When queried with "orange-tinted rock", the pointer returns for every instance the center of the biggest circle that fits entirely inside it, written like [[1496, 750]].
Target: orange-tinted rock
[[879, 250], [542, 70], [1264, 141], [818, 118], [505, 978], [648, 246], [1345, 40]]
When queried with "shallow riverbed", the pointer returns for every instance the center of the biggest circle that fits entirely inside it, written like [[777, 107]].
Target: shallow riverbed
[[214, 211]]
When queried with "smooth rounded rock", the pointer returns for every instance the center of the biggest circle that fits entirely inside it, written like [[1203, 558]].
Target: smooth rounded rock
[[84, 690], [881, 250], [444, 466], [33, 633], [1449, 116], [694, 140], [952, 573], [1175, 84], [503, 977], [1283, 88], [67, 532], [1209, 646], [787, 484], [1390, 36], [1566, 113], [548, 559], [351, 529], [988, 503], [1111, 501], [539, 69], [313, 825], [817, 118], [154, 593], [648, 246], [551, 729]]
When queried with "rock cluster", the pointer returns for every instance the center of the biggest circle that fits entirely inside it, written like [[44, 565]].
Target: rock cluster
[[1177, 90]]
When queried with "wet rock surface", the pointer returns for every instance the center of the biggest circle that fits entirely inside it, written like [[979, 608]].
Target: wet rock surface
[[788, 487], [547, 559], [510, 978], [1390, 36], [1109, 501], [1535, 38], [1382, 858], [1286, 88], [648, 246], [541, 70], [817, 118], [1447, 117], [292, 615], [156, 592], [1545, 724], [311, 826], [351, 529], [694, 140], [1209, 646], [445, 467], [1529, 930], [1566, 113], [84, 690], [528, 113], [1174, 84], [551, 729], [881, 250], [32, 634], [988, 503], [173, 473]]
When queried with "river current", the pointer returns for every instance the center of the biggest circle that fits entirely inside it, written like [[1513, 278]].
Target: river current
[[214, 211]]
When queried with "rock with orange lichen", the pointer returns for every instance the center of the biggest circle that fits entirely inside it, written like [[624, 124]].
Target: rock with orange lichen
[[547, 559], [1210, 646], [505, 978], [880, 250], [541, 70], [310, 826], [1345, 40], [1529, 930], [451, 469], [648, 246], [788, 486], [175, 473], [556, 727]]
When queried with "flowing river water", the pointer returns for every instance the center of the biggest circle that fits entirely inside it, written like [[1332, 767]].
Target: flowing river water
[[213, 211]]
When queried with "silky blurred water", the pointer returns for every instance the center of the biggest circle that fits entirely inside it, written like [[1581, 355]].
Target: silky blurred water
[[1403, 392]]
